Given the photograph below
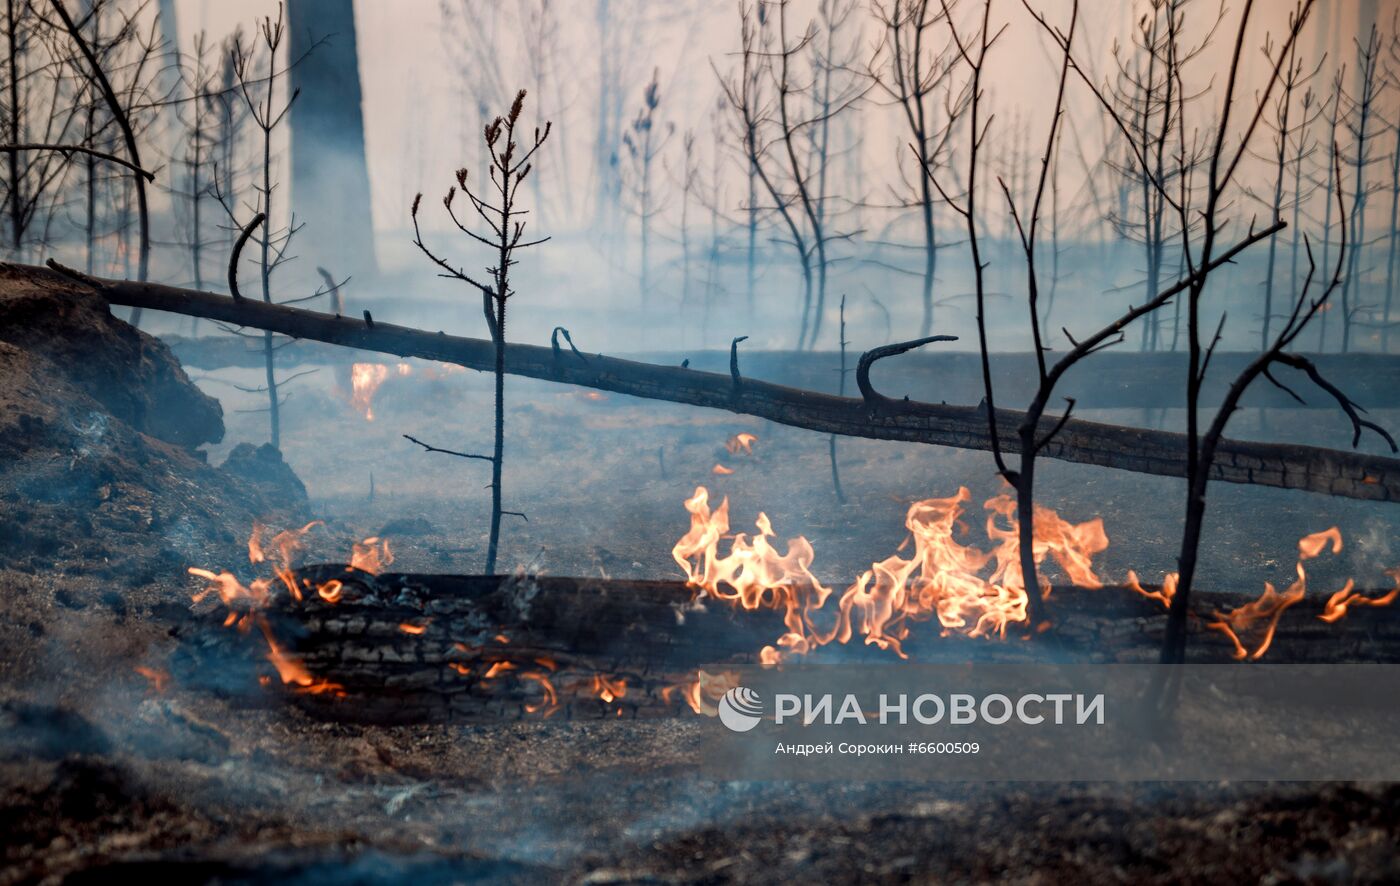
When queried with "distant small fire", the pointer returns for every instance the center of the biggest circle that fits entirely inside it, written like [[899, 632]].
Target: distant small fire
[[741, 443], [367, 378]]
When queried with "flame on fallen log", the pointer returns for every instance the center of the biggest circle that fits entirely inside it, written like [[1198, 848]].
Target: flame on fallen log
[[966, 589], [246, 602], [1341, 602], [1258, 620], [609, 689], [371, 555]]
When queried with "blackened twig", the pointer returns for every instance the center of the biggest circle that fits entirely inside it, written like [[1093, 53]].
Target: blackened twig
[[238, 252], [867, 359], [428, 448]]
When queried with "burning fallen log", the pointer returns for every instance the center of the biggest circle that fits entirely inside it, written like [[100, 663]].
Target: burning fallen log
[[1313, 469], [404, 648], [354, 642]]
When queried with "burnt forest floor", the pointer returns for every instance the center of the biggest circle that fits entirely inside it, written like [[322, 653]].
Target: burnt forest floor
[[107, 775]]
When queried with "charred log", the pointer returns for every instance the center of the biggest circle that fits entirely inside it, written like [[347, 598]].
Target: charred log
[[1313, 469], [401, 648]]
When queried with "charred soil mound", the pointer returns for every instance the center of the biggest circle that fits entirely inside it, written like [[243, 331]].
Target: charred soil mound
[[99, 471]]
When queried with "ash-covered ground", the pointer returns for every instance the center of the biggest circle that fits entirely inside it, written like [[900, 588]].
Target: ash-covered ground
[[106, 772]]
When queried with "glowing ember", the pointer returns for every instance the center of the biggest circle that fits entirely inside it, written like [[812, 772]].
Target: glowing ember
[[704, 692], [608, 689], [499, 668], [741, 443], [365, 379], [943, 579], [246, 602], [549, 703], [415, 630], [159, 679]]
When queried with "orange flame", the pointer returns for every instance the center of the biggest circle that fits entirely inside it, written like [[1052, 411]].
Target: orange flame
[[704, 692], [365, 379], [1340, 602], [609, 689], [245, 602], [410, 628], [741, 442], [287, 544], [550, 700], [941, 580], [1261, 617], [371, 555], [1163, 595], [499, 668], [159, 679]]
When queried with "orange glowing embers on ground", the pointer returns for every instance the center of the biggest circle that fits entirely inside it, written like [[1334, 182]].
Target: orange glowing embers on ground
[[246, 602], [159, 679], [550, 689], [943, 580]]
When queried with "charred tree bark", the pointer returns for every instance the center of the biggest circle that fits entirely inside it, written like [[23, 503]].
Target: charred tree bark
[[330, 179], [425, 648], [1308, 468]]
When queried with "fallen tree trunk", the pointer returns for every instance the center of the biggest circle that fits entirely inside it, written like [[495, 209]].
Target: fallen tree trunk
[[402, 648], [1120, 380], [1312, 469]]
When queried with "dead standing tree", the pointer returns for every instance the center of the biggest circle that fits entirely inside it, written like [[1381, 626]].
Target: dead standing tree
[[257, 84], [1224, 154], [1290, 136], [1361, 112], [509, 166], [1223, 160], [912, 69], [121, 115], [644, 145], [765, 93], [1149, 101]]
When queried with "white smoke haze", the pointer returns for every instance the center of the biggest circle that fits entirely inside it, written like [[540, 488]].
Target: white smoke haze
[[433, 72]]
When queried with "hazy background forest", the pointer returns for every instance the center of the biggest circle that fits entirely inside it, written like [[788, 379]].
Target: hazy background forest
[[663, 215]]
